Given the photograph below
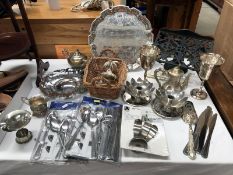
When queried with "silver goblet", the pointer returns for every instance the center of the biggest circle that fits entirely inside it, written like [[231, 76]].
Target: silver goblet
[[208, 61], [149, 54]]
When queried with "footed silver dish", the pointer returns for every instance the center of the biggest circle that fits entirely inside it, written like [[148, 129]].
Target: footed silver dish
[[167, 106], [63, 83]]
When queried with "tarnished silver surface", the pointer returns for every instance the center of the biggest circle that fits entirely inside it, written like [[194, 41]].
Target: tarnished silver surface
[[138, 92], [190, 117], [148, 55], [63, 83], [15, 120], [211, 125], [208, 61], [75, 59], [167, 106], [38, 105], [23, 136], [176, 83], [120, 32]]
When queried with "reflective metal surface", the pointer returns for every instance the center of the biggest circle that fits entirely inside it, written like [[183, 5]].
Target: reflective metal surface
[[167, 106], [15, 120], [190, 117], [176, 82], [148, 55], [143, 131], [38, 105], [138, 142], [23, 136], [138, 92], [120, 32], [75, 59], [208, 61], [63, 83]]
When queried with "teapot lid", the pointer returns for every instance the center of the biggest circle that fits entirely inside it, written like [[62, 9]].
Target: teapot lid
[[176, 71], [78, 55]]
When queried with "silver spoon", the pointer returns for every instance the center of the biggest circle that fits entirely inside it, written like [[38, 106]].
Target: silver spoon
[[92, 122], [64, 127], [99, 112], [84, 114], [103, 150]]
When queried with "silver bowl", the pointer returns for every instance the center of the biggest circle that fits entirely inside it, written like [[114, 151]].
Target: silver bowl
[[15, 120], [63, 83]]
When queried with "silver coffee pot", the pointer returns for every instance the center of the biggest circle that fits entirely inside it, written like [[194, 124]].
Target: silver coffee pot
[[176, 83]]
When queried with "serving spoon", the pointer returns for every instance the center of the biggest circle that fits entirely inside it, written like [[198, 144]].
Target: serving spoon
[[92, 122]]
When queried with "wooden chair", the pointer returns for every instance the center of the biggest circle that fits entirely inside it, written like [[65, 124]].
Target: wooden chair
[[15, 44], [182, 47]]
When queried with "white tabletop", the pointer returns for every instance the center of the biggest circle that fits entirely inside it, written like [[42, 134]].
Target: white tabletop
[[221, 148]]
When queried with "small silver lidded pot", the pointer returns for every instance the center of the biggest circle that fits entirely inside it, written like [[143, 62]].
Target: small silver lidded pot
[[75, 59]]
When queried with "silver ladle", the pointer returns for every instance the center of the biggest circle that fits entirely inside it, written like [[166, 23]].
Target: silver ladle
[[92, 122]]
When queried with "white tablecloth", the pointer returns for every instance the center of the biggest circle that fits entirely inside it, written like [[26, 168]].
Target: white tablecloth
[[221, 148]]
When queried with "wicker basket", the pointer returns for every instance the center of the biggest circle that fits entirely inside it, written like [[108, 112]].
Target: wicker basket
[[92, 74]]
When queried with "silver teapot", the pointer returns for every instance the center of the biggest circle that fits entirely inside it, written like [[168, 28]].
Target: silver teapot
[[75, 59], [176, 83]]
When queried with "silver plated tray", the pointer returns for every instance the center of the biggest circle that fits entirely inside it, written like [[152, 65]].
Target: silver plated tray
[[63, 83], [120, 32]]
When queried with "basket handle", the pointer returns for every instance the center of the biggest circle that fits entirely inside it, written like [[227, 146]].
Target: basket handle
[[108, 53]]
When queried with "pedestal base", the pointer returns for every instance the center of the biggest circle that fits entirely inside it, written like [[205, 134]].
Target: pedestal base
[[198, 94]]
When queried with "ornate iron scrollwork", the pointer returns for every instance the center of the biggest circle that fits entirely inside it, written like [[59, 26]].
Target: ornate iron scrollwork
[[182, 47]]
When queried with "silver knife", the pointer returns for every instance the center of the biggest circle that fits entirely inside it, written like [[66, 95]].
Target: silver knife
[[202, 136], [211, 125], [73, 137], [199, 125]]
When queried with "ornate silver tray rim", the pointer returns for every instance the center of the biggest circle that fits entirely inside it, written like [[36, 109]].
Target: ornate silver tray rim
[[116, 9]]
